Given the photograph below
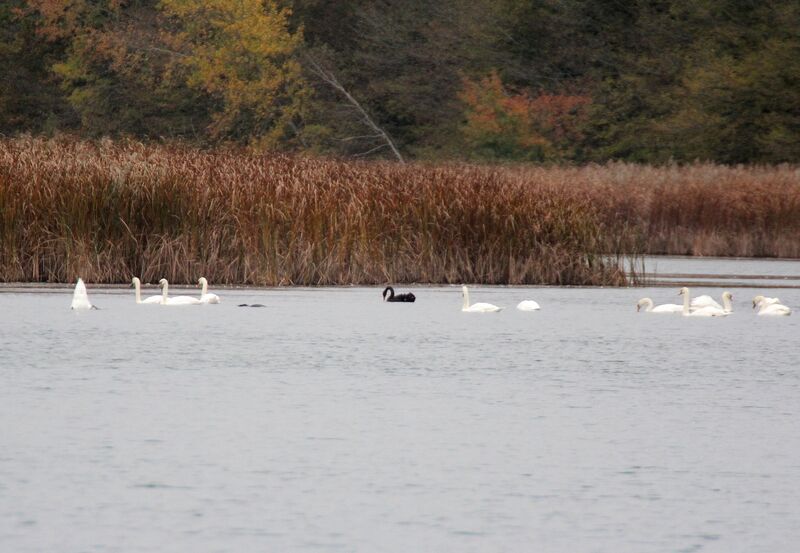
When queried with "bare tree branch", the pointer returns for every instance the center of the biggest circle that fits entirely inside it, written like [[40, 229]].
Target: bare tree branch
[[363, 136], [328, 77], [375, 149]]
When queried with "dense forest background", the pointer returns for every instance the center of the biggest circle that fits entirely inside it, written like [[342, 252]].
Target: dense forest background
[[546, 81]]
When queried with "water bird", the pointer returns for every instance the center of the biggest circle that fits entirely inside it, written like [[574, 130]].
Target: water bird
[[137, 285], [80, 298], [402, 298], [774, 309], [528, 305], [704, 301], [476, 307], [177, 300], [763, 300], [647, 304], [708, 311], [205, 297]]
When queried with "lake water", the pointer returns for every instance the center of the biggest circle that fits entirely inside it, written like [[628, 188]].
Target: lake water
[[330, 421]]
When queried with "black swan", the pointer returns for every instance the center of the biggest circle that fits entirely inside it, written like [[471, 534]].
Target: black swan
[[407, 298]]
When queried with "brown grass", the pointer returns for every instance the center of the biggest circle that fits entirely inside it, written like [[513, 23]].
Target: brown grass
[[701, 209], [106, 211]]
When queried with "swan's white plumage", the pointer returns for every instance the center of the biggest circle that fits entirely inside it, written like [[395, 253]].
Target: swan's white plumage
[[774, 309], [761, 301], [704, 301], [647, 303], [177, 300], [80, 298], [708, 311], [476, 307], [528, 305], [138, 288], [205, 297]]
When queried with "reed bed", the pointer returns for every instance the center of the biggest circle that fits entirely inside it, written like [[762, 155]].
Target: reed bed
[[109, 210]]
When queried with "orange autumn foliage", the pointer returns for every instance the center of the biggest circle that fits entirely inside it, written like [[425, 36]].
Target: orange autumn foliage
[[502, 124]]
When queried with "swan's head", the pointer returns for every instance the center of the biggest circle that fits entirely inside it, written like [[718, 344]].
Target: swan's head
[[757, 300], [464, 290], [727, 295], [135, 281], [643, 303], [163, 282], [201, 281], [684, 291]]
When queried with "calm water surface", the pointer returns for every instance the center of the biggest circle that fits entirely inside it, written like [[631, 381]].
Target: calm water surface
[[330, 421]]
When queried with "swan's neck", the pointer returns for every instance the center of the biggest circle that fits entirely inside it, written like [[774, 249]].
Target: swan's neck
[[205, 288], [648, 304], [164, 293], [686, 301], [466, 299], [138, 291]]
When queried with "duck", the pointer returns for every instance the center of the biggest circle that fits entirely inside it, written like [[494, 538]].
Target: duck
[[176, 300], [205, 297], [476, 307], [137, 284], [648, 306], [403, 298]]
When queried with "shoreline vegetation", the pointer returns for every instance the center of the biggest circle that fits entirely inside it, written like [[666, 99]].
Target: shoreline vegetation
[[106, 210]]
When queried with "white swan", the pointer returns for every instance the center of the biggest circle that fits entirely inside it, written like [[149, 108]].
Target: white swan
[[647, 304], [774, 309], [205, 297], [709, 311], [177, 300], [80, 299], [476, 307], [137, 284], [528, 305], [704, 301], [763, 301]]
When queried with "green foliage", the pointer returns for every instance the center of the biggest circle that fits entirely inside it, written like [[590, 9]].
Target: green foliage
[[659, 81], [30, 99], [241, 52]]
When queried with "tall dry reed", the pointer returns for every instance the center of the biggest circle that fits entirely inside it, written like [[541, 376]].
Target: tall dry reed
[[106, 211]]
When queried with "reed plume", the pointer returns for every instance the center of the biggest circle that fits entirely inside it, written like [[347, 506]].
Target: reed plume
[[108, 210]]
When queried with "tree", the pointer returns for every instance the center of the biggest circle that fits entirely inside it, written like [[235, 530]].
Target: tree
[[739, 98], [242, 54], [30, 99], [500, 124], [117, 71]]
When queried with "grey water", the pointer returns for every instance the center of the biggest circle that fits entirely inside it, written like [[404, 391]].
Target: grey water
[[331, 421], [762, 273]]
